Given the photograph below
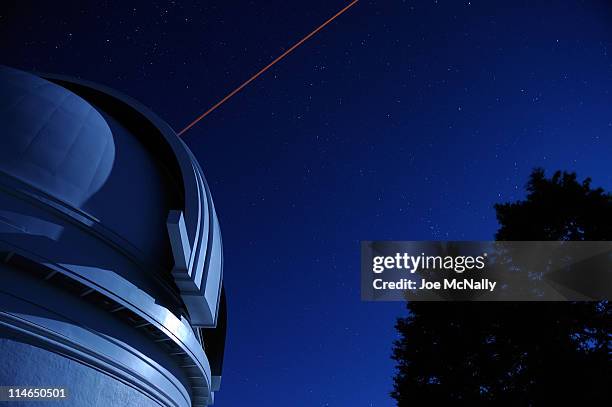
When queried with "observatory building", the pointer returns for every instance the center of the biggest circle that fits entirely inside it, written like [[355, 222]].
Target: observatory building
[[110, 250]]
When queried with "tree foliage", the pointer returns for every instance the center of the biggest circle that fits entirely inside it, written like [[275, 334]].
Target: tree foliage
[[468, 353]]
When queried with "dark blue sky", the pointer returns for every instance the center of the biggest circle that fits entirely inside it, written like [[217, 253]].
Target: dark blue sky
[[402, 120]]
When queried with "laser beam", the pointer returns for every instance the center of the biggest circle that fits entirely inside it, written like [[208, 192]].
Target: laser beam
[[264, 69]]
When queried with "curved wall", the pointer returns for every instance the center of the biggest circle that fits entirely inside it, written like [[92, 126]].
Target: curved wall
[[40, 368], [110, 248]]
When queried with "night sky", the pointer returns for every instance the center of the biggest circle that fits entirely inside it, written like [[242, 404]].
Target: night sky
[[402, 120]]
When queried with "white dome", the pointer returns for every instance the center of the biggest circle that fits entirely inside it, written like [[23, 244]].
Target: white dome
[[51, 138]]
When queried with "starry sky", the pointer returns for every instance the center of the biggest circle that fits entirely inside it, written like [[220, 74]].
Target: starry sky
[[402, 120]]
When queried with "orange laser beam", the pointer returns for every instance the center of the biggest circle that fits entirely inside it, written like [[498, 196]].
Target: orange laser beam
[[252, 78]]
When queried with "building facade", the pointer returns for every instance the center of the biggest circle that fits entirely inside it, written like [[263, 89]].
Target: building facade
[[110, 250]]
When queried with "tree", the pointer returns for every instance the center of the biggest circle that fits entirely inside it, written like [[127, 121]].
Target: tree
[[468, 353]]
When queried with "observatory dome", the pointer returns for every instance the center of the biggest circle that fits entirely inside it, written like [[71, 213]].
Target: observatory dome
[[52, 138], [111, 258]]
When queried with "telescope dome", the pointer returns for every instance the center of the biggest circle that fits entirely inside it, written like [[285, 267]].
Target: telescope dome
[[52, 139]]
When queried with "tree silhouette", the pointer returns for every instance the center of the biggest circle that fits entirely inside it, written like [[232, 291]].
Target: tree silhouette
[[515, 353]]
